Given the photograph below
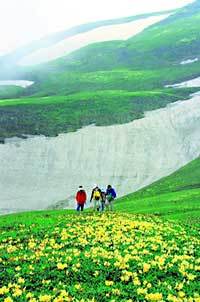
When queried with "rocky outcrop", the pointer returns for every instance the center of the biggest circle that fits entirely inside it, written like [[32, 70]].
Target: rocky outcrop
[[39, 171]]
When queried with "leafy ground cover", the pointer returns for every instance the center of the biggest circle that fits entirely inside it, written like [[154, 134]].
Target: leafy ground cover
[[62, 256], [58, 114]]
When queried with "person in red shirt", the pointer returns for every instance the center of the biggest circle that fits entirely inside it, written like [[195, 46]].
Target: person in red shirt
[[81, 198]]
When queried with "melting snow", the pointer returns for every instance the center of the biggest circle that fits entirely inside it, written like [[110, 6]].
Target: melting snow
[[20, 83]]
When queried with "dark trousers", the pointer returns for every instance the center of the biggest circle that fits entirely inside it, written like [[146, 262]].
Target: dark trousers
[[80, 207], [102, 205]]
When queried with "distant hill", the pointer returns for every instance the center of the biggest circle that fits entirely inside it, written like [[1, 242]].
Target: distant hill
[[161, 45], [9, 62], [105, 83]]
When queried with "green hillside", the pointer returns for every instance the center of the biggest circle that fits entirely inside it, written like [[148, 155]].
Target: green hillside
[[52, 115], [10, 92], [106, 83], [161, 45], [65, 83], [176, 196], [67, 256], [9, 62]]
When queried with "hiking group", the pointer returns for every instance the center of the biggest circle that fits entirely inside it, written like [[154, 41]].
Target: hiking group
[[100, 199]]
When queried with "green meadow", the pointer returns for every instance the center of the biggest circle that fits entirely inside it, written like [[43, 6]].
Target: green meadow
[[148, 249], [52, 115]]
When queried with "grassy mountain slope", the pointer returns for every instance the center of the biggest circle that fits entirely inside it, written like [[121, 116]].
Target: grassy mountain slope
[[8, 63], [126, 79], [161, 44], [57, 114], [151, 56], [176, 196], [131, 252], [112, 77], [10, 92], [60, 255]]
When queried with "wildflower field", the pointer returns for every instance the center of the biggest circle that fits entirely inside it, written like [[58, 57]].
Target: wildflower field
[[62, 256]]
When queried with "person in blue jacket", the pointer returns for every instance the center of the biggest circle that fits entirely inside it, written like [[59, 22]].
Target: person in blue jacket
[[110, 196]]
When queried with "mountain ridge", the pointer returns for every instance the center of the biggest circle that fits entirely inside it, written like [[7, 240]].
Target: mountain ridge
[[8, 61]]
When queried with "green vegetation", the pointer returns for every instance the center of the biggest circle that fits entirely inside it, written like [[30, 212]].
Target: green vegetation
[[58, 256], [58, 114], [106, 83], [9, 62], [162, 45], [10, 92], [174, 197], [53, 256], [121, 79], [61, 256]]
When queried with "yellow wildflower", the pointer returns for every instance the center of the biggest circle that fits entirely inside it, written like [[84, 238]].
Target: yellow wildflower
[[8, 299], [17, 292], [141, 291], [181, 294], [77, 286], [191, 277], [154, 297], [136, 281], [61, 266], [146, 267], [44, 298], [116, 291], [109, 283], [18, 268], [21, 280], [4, 290], [29, 295]]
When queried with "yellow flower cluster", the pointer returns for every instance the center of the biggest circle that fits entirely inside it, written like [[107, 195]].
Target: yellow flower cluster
[[100, 257], [154, 297]]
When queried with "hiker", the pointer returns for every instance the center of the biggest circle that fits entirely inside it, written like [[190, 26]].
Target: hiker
[[96, 197], [110, 196], [103, 199], [81, 198]]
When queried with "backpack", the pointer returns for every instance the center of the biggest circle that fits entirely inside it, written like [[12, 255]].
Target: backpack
[[96, 195], [114, 195], [111, 194]]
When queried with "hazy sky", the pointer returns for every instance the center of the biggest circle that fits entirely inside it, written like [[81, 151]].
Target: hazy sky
[[22, 21]]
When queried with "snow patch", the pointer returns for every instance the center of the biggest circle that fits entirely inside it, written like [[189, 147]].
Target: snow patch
[[38, 172], [20, 83], [189, 61], [191, 83]]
